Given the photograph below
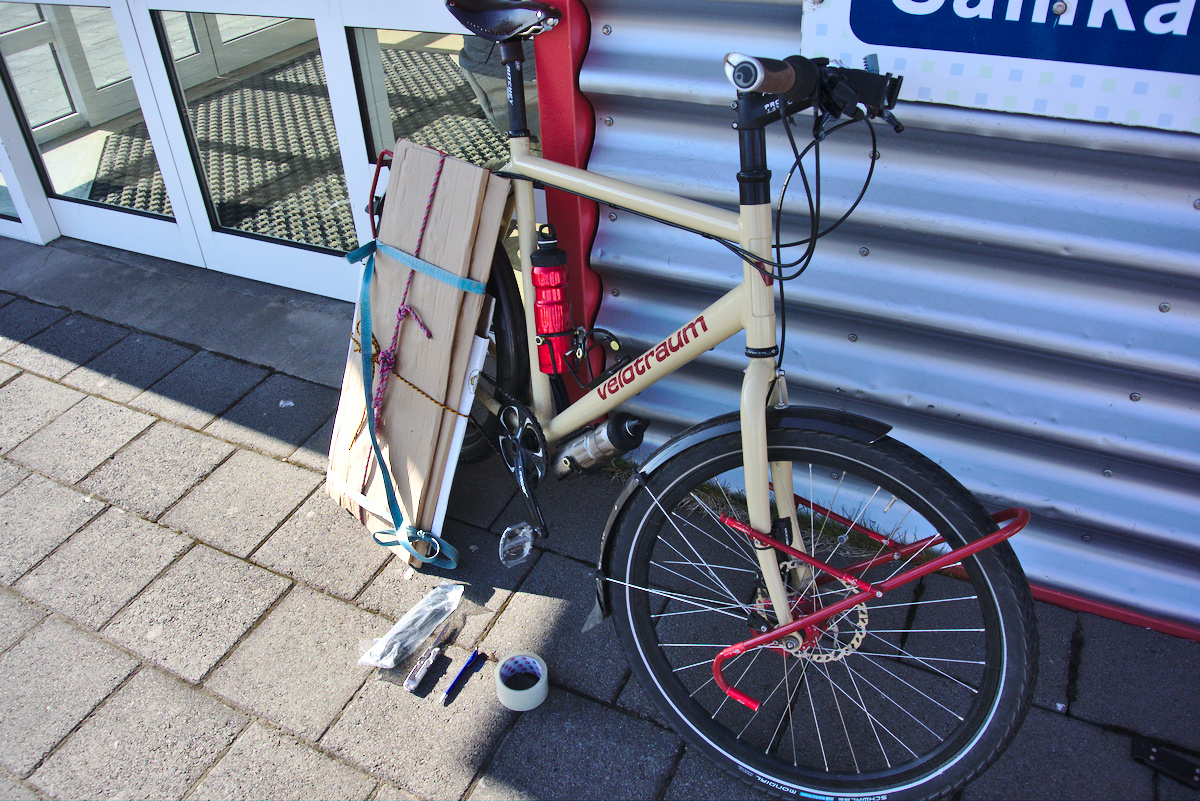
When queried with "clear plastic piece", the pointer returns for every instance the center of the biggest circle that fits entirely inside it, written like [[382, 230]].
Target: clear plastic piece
[[412, 629], [516, 544]]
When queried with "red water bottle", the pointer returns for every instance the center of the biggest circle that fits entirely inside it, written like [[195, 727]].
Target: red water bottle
[[551, 308]]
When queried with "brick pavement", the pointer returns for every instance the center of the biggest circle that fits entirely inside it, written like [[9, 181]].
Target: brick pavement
[[181, 606]]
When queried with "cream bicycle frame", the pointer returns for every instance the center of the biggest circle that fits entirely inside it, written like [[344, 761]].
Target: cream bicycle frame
[[749, 306]]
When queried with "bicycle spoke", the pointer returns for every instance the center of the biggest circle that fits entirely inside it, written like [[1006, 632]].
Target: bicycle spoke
[[675, 596]]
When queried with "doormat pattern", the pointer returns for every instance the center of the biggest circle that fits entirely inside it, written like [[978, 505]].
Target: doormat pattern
[[270, 153]]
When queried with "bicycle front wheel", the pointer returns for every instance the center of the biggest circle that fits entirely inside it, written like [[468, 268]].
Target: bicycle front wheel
[[909, 695]]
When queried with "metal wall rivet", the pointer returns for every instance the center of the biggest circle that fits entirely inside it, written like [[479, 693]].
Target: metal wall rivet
[[1059, 8], [1107, 474], [616, 293], [1087, 537], [1135, 396], [606, 30], [1196, 203], [612, 216], [1164, 307], [853, 337], [863, 252], [608, 120]]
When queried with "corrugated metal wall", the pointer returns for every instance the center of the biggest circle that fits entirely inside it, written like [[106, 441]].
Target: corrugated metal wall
[[1019, 296]]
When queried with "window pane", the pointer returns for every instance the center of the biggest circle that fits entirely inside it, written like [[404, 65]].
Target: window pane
[[442, 91], [40, 84], [180, 34], [7, 209], [105, 154], [265, 140], [234, 26], [96, 33], [18, 15]]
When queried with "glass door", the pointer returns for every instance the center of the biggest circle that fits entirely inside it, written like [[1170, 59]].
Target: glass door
[[246, 104], [73, 84]]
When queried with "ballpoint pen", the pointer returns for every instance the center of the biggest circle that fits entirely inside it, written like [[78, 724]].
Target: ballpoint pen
[[462, 672]]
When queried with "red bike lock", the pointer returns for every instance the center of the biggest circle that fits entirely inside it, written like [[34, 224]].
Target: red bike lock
[[552, 309]]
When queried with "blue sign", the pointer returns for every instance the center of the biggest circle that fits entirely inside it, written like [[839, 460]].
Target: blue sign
[[1142, 34]]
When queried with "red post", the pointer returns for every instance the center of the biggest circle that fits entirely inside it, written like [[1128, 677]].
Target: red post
[[568, 128]]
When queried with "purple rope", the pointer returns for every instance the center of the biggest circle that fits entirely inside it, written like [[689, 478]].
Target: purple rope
[[387, 358]]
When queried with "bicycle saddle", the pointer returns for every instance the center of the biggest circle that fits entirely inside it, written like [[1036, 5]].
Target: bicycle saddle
[[497, 20]]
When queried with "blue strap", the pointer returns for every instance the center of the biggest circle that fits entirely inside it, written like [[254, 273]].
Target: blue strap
[[420, 265], [444, 554]]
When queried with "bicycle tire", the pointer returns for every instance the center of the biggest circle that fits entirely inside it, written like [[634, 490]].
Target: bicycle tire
[[912, 698], [507, 365]]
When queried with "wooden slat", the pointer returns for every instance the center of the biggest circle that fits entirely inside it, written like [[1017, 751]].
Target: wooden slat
[[495, 201]]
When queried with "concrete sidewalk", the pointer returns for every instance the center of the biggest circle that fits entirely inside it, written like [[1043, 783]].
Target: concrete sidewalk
[[182, 605]]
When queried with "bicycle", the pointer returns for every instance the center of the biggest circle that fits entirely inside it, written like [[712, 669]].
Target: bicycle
[[816, 607]]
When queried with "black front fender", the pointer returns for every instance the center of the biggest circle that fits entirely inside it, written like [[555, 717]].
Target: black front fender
[[811, 418]]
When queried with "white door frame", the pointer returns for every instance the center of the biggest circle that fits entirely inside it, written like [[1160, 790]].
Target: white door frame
[[190, 238]]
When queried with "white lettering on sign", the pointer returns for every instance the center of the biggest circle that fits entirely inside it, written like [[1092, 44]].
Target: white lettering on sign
[[1174, 17]]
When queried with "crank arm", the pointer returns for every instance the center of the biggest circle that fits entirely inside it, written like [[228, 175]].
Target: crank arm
[[523, 484]]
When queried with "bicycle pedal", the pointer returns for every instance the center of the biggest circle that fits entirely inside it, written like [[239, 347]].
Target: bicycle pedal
[[516, 544]]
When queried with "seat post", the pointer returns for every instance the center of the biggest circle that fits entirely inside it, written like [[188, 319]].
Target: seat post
[[512, 56]]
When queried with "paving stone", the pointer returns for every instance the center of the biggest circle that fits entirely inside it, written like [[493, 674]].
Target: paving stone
[[698, 779], [127, 368], [546, 617], [11, 475], [101, 568], [81, 439], [1056, 626], [195, 612], [65, 345], [11, 790], [323, 546], [17, 616], [488, 584], [243, 501], [390, 792], [6, 298], [21, 319], [35, 516], [51, 680], [278, 416], [314, 454], [633, 699], [7, 371], [1056, 757], [580, 750], [265, 763], [200, 389], [30, 402], [1140, 680], [424, 747], [308, 630], [480, 492], [576, 510], [156, 469], [153, 739]]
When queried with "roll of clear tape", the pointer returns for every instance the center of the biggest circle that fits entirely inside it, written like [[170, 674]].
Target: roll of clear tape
[[522, 681]]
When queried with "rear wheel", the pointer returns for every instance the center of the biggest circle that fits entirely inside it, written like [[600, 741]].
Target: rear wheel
[[908, 695], [507, 365]]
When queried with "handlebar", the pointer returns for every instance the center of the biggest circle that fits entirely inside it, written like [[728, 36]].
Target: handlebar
[[805, 82]]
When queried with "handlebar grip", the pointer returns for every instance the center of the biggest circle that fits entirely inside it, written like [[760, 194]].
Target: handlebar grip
[[794, 77]]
